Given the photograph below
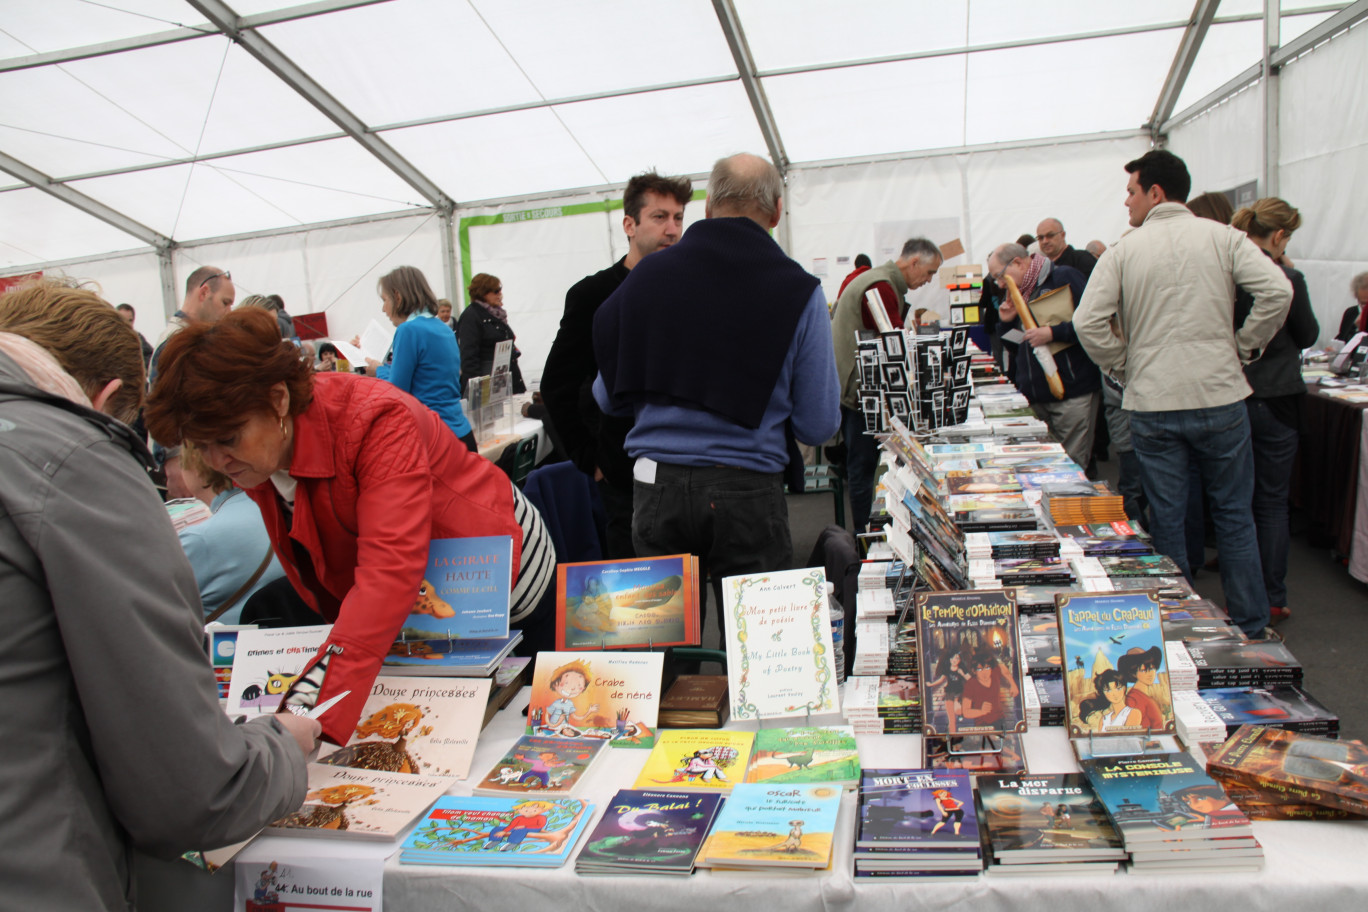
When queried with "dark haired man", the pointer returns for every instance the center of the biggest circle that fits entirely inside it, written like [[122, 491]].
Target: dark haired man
[[129, 314], [1157, 317], [653, 218]]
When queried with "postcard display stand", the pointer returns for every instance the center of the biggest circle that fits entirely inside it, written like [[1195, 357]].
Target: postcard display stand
[[489, 410], [920, 533], [921, 380]]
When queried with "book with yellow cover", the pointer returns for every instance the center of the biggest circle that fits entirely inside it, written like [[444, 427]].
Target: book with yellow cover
[[764, 825], [692, 758]]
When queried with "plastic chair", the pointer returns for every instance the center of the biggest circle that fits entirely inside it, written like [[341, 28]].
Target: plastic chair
[[524, 459]]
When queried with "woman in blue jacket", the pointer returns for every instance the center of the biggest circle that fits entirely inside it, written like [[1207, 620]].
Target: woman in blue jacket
[[425, 360]]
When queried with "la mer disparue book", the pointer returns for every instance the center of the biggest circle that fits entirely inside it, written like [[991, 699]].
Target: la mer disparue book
[[465, 590], [651, 601], [779, 644], [417, 725]]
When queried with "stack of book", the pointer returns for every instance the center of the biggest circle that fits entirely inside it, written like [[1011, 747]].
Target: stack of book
[[1200, 630], [1284, 706], [1097, 539], [916, 825], [871, 648], [1243, 663], [507, 679], [1172, 816], [1182, 670], [1040, 643], [1008, 545], [1139, 565], [1281, 775], [695, 701], [902, 648], [1194, 719], [997, 519], [649, 832], [764, 828], [498, 831], [888, 704], [1081, 503], [1047, 824], [1049, 694], [1040, 571]]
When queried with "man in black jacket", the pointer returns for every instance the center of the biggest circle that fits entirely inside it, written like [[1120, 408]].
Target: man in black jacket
[[653, 218], [1050, 237]]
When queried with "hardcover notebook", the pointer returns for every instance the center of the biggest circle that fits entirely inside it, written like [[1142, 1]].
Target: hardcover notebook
[[465, 590], [969, 662], [417, 725], [514, 831], [544, 767], [649, 832], [641, 603], [609, 696], [764, 826], [778, 637]]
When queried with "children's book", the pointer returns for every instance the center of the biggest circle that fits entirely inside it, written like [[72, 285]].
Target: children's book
[[360, 803], [814, 754], [648, 602], [970, 662], [266, 662], [502, 831], [465, 590], [457, 658], [609, 696], [1115, 671], [1045, 818], [1163, 797], [417, 725], [778, 634], [701, 759], [544, 767], [917, 808], [649, 832], [763, 825]]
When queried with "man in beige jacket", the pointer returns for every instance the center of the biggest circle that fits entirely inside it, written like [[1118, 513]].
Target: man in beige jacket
[[1158, 317]]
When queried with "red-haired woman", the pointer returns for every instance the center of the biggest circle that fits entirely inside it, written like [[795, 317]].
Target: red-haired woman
[[354, 479]]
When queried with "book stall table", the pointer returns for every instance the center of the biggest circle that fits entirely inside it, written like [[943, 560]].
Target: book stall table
[[1329, 483], [1309, 864]]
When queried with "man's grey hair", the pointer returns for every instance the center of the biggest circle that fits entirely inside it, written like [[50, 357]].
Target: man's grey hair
[[921, 248], [1357, 283], [1008, 252], [744, 183]]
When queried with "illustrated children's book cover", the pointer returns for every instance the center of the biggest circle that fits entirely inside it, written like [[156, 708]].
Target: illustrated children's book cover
[[920, 808], [1039, 817], [360, 803], [648, 602], [457, 658], [779, 660], [465, 590], [695, 758], [529, 831], [1115, 671], [764, 825], [609, 696], [813, 754], [644, 831], [545, 767], [969, 662], [265, 664], [417, 725], [1163, 797]]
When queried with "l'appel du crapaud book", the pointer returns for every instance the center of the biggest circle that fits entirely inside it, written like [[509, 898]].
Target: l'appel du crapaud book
[[465, 590], [612, 696], [1046, 819], [1296, 767], [511, 831], [649, 832], [813, 754], [690, 758], [360, 803], [764, 826], [917, 809], [970, 663], [542, 767], [639, 603], [1163, 798], [695, 701], [417, 725], [1116, 675]]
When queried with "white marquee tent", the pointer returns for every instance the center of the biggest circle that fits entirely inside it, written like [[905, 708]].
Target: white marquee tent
[[311, 148]]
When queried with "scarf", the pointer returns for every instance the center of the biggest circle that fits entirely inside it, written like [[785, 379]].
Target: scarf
[[42, 369], [1362, 321], [1032, 276], [497, 312]]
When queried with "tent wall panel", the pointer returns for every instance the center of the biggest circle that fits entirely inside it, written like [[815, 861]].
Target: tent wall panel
[[1221, 147], [133, 279]]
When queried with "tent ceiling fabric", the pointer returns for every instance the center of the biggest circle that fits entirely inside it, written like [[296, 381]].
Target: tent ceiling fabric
[[190, 134]]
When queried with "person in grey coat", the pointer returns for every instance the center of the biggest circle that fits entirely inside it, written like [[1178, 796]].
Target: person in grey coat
[[111, 737]]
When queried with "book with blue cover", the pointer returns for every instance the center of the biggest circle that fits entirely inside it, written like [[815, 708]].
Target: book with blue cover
[[464, 592], [644, 831], [1163, 798], [917, 808], [469, 658], [624, 604], [518, 831], [1115, 669]]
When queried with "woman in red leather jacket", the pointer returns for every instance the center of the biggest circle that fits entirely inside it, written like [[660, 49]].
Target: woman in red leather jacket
[[353, 477]]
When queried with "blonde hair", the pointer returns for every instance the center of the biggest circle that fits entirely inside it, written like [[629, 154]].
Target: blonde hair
[[1265, 216], [193, 459], [85, 334]]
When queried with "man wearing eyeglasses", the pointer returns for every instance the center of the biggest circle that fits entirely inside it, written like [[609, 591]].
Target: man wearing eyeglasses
[[1050, 237]]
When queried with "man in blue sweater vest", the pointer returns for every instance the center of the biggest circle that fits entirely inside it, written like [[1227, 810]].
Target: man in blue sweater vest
[[720, 346]]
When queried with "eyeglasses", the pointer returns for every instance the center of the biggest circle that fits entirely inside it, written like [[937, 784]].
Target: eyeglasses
[[997, 276], [1048, 235], [222, 275], [498, 290]]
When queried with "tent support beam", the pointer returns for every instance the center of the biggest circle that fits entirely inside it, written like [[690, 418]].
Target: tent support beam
[[1202, 14], [290, 73], [449, 271], [745, 65], [166, 270], [1272, 30], [40, 181]]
